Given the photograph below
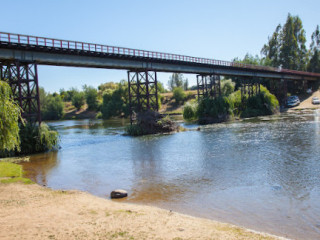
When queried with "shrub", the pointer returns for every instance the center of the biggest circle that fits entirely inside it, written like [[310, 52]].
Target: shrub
[[52, 108], [36, 138], [227, 87], [179, 95], [264, 103], [190, 110], [78, 100], [91, 95], [134, 130], [214, 107]]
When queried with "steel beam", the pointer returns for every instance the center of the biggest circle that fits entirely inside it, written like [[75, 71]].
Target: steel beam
[[23, 79], [143, 92]]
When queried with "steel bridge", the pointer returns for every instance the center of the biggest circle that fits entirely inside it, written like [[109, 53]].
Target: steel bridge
[[20, 55]]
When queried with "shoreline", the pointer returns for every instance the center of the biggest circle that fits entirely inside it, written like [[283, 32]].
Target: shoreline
[[36, 212]]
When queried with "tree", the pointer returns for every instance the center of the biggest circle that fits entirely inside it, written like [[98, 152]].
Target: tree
[[54, 108], [10, 113], [286, 47], [91, 95], [271, 50], [78, 99], [176, 80], [314, 63], [51, 105], [115, 102]]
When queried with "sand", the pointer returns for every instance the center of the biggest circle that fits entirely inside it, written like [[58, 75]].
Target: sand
[[307, 103], [35, 212]]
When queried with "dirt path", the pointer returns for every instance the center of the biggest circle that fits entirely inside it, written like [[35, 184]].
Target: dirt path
[[307, 103], [34, 212]]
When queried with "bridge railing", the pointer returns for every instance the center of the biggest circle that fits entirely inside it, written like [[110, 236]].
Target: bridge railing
[[99, 48]]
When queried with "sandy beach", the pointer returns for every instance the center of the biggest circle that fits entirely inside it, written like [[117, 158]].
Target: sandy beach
[[36, 212]]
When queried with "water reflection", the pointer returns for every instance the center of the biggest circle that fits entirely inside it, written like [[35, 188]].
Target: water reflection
[[40, 166], [262, 173]]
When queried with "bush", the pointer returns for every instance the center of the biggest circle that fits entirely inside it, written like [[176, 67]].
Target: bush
[[264, 103], [134, 130], [78, 100], [52, 109], [179, 95], [227, 87], [36, 138], [190, 110], [214, 107], [91, 95], [115, 102]]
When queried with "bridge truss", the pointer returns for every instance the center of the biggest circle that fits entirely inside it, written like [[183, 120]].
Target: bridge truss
[[143, 92], [23, 80]]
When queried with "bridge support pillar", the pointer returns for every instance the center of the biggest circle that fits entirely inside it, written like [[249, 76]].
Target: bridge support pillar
[[249, 87], [23, 79], [143, 92], [305, 86], [208, 86]]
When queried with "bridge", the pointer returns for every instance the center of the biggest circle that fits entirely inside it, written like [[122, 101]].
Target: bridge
[[20, 55]]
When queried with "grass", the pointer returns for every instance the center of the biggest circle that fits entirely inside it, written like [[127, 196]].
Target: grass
[[12, 173]]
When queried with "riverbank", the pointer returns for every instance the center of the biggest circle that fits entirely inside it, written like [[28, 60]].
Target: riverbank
[[35, 212]]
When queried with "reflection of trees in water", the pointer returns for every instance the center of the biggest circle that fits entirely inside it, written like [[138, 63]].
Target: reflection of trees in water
[[39, 166]]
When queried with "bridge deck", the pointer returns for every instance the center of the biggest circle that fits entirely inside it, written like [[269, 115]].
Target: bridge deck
[[58, 52]]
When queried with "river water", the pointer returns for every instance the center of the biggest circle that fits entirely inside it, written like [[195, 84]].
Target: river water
[[261, 173]]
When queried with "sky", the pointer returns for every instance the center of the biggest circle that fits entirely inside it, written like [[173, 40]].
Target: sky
[[221, 30]]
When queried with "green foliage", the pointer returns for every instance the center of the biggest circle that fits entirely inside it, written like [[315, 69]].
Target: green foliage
[[235, 98], [134, 130], [314, 63], [91, 95], [36, 138], [10, 113], [109, 85], [177, 81], [78, 99], [51, 105], [161, 88], [53, 109], [227, 87], [261, 104], [286, 47], [190, 110], [220, 108], [179, 95], [214, 108], [115, 102], [67, 95]]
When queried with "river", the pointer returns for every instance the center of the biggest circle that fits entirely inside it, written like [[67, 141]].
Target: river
[[261, 173]]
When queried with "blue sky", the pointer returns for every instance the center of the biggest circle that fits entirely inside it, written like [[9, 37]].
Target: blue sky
[[203, 28]]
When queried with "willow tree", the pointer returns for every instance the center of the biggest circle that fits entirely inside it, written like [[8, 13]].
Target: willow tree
[[10, 113]]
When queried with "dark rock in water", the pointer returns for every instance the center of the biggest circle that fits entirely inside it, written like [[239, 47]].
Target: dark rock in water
[[153, 122], [118, 193]]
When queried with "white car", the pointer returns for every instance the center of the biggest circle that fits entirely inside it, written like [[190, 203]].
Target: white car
[[315, 100]]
